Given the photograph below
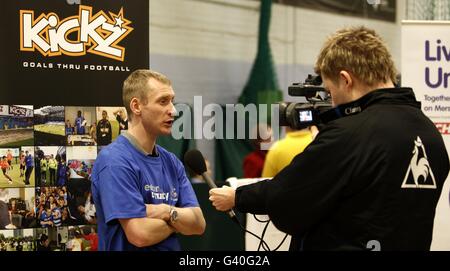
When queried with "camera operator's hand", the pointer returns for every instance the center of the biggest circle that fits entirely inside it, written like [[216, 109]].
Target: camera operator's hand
[[222, 198]]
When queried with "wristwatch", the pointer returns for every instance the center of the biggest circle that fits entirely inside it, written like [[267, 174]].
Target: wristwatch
[[173, 214]]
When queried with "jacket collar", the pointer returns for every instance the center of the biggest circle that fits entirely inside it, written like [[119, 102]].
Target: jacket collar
[[404, 96]]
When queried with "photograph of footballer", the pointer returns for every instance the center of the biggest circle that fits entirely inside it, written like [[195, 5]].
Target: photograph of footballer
[[52, 207], [51, 169], [80, 126], [17, 209], [71, 238], [80, 161], [17, 165], [51, 238], [17, 240], [111, 121], [64, 206], [87, 234], [16, 125], [49, 126]]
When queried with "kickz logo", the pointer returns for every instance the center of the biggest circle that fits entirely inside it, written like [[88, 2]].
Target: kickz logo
[[17, 111], [96, 33], [419, 173]]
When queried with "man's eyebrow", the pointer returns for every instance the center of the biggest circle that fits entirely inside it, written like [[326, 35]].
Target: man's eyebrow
[[166, 96]]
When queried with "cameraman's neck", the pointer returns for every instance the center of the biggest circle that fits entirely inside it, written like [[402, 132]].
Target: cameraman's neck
[[363, 89]]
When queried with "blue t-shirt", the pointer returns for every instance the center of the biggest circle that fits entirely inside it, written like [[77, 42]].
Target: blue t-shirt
[[61, 174], [56, 214], [69, 130], [29, 161], [45, 218], [124, 180], [79, 124]]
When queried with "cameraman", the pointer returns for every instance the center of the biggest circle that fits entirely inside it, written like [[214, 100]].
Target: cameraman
[[374, 173]]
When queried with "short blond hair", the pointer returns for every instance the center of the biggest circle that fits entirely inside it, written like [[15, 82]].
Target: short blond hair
[[360, 51], [136, 86]]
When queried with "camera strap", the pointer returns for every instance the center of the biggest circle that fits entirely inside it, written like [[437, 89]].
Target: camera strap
[[341, 111]]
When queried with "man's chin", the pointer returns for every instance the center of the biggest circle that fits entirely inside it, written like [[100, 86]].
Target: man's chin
[[166, 131]]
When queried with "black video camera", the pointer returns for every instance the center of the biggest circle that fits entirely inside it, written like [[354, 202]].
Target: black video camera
[[302, 115]]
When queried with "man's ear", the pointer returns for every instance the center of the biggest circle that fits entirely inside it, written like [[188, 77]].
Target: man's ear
[[346, 79], [135, 106]]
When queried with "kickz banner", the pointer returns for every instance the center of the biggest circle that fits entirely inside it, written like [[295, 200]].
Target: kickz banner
[[70, 53]]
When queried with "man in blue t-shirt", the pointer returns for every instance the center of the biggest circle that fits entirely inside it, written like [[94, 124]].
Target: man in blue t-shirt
[[46, 219], [79, 124], [29, 163], [141, 193]]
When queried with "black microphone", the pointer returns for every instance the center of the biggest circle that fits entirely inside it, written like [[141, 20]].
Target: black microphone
[[195, 161]]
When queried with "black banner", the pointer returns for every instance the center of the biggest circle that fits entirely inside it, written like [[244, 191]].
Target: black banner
[[55, 52], [373, 9]]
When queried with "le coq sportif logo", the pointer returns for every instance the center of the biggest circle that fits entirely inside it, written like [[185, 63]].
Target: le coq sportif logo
[[77, 35], [419, 173]]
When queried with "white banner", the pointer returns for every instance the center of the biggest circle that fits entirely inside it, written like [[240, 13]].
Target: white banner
[[426, 68], [4, 110]]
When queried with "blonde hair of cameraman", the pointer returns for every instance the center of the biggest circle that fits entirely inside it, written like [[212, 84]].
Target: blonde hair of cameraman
[[360, 51]]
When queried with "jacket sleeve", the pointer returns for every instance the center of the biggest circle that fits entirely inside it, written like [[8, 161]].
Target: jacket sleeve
[[251, 198], [308, 189]]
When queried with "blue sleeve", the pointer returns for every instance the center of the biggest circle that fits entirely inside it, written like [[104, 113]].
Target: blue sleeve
[[119, 193], [187, 197]]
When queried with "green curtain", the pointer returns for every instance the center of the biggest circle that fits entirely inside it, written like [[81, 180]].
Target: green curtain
[[261, 88], [262, 85]]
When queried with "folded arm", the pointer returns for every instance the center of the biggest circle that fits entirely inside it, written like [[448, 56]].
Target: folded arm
[[145, 231], [190, 220]]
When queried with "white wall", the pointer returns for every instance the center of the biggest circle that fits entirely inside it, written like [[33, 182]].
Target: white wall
[[227, 31], [207, 47], [110, 111], [22, 232], [81, 152], [48, 150], [15, 193]]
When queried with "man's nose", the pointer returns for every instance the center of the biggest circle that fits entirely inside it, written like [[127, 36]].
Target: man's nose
[[173, 112]]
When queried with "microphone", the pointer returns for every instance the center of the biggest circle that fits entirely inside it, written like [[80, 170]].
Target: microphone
[[195, 161]]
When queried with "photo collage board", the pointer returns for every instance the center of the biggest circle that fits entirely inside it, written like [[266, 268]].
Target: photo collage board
[[46, 156]]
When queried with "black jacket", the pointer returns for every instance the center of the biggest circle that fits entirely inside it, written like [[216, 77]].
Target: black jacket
[[361, 179]]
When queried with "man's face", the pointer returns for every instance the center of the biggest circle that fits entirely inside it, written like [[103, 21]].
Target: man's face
[[340, 94], [104, 115], [159, 112]]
